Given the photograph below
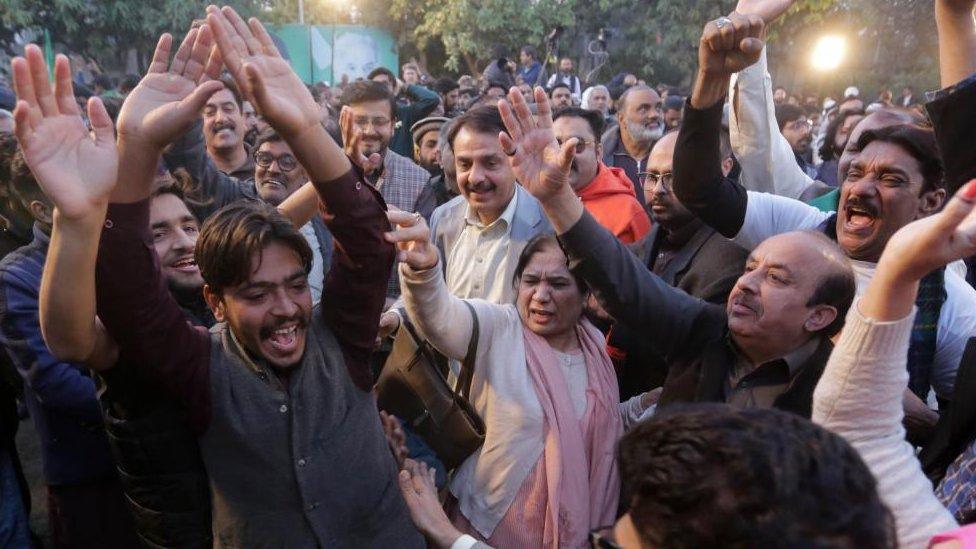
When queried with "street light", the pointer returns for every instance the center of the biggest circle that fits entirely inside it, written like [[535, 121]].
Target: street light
[[828, 53]]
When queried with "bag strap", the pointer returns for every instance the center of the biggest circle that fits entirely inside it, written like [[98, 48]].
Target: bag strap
[[467, 367]]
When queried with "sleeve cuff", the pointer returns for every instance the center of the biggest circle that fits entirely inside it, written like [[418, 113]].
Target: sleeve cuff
[[872, 337], [464, 542], [587, 234], [936, 95], [129, 218]]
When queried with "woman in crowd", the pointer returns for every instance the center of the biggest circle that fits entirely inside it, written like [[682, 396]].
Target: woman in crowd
[[545, 387], [834, 143]]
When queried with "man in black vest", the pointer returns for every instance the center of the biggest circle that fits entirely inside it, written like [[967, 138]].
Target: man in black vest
[[294, 449]]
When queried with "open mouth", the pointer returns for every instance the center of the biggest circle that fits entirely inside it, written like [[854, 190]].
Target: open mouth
[[859, 218], [186, 265], [285, 339], [541, 317], [273, 183]]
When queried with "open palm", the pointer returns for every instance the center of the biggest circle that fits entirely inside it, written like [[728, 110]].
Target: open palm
[[73, 167], [539, 163], [279, 95], [169, 97]]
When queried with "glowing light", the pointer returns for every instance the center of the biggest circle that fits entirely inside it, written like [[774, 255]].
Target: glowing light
[[828, 53]]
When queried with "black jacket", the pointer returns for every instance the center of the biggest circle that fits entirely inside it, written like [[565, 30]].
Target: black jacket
[[691, 334]]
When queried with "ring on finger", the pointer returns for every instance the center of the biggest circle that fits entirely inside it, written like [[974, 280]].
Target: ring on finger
[[722, 22]]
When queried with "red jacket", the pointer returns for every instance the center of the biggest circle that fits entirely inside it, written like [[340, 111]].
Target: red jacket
[[610, 199]]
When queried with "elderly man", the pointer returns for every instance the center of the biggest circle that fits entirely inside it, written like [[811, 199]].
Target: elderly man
[[640, 125]]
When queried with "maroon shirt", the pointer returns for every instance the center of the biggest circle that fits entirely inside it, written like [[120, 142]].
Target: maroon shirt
[[138, 310]]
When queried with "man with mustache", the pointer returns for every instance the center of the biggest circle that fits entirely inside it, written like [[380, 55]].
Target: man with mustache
[[289, 441], [559, 96], [895, 177], [224, 128], [766, 348], [606, 192], [640, 125]]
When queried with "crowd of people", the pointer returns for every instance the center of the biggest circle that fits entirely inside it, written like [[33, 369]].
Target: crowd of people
[[730, 317]]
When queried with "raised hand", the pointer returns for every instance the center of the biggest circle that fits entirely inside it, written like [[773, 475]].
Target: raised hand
[[539, 163], [412, 237], [169, 97], [768, 10], [73, 167], [929, 243], [266, 78], [351, 138], [729, 45]]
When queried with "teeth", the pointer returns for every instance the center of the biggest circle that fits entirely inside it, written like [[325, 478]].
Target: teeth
[[286, 331]]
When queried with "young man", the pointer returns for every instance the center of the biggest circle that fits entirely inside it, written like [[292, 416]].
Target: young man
[[270, 391], [417, 102], [559, 96], [531, 69], [567, 75]]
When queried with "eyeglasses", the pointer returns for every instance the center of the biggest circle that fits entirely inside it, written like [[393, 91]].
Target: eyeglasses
[[581, 145], [654, 178], [265, 159], [602, 538], [800, 124], [362, 122]]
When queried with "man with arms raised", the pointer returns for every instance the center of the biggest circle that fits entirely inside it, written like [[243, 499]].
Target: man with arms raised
[[270, 391]]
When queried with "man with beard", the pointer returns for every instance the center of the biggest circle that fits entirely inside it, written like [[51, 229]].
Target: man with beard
[[895, 177], [442, 186], [251, 123], [274, 379], [628, 145], [796, 128], [606, 192], [566, 75], [447, 88], [224, 129], [425, 141], [412, 102], [559, 96], [373, 111]]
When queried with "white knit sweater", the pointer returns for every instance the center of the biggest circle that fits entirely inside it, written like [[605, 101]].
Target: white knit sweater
[[860, 398]]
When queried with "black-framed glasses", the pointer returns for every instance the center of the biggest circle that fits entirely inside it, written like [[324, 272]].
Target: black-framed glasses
[[581, 145], [653, 178], [602, 538], [265, 159]]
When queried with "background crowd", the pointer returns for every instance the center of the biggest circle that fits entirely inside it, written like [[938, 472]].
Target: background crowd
[[728, 315]]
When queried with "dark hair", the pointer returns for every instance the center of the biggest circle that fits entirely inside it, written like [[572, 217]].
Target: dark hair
[[23, 183], [593, 118], [828, 151], [483, 119], [530, 51], [837, 288], [235, 234], [558, 85], [174, 189], [919, 142], [363, 91], [445, 85], [536, 245], [269, 135], [495, 84], [708, 475], [104, 81], [786, 113], [235, 91], [381, 70], [113, 106], [8, 149]]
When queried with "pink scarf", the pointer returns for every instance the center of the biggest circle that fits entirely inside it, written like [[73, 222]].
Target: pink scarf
[[580, 459]]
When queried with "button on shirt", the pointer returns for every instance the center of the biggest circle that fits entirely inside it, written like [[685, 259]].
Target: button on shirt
[[759, 387], [480, 256]]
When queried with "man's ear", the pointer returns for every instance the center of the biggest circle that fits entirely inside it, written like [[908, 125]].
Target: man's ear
[[215, 301], [930, 202], [41, 212], [820, 317]]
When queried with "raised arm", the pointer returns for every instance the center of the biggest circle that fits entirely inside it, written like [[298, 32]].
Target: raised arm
[[628, 291], [860, 393], [727, 45], [957, 40], [355, 213], [78, 171], [424, 101]]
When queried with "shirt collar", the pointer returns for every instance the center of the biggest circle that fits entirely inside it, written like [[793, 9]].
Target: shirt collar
[[471, 218], [794, 360]]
